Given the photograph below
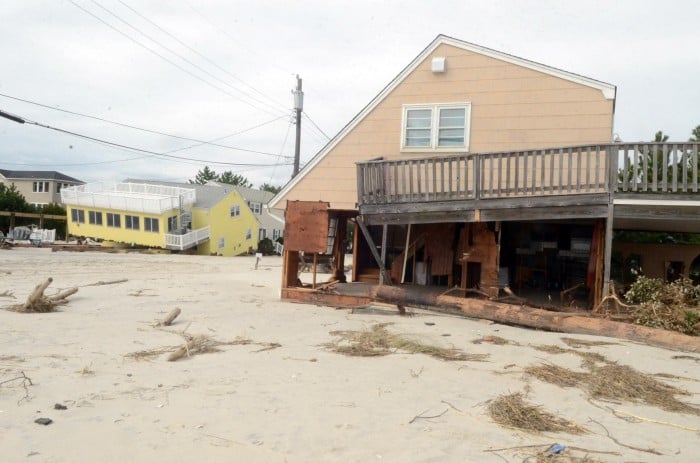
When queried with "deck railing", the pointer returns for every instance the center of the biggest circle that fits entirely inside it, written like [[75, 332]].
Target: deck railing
[[657, 167], [587, 169], [187, 240], [135, 197]]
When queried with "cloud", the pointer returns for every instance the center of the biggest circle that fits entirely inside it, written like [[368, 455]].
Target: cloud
[[345, 52]]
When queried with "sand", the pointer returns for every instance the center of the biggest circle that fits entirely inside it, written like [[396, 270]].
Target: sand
[[299, 402]]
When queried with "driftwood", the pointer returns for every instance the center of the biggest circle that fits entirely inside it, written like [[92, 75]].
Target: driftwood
[[38, 302], [184, 350], [539, 318], [167, 321]]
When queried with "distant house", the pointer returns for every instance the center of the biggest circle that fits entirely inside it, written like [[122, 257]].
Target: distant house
[[39, 187], [206, 218], [271, 225]]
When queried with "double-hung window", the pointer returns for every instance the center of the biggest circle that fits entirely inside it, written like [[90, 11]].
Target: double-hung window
[[436, 127], [77, 215], [131, 222], [150, 224], [114, 220], [95, 217]]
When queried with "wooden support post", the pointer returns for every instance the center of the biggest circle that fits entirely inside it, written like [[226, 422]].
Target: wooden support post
[[339, 250], [405, 254], [313, 278], [383, 256], [373, 249], [608, 252]]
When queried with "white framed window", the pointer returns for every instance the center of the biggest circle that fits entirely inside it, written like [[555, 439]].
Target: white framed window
[[114, 220], [276, 234], [131, 222], [248, 234], [235, 211], [262, 234], [150, 224], [222, 243], [40, 187], [95, 217], [255, 207], [436, 127], [77, 215]]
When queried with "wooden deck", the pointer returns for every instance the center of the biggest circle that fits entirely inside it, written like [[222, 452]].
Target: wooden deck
[[641, 181]]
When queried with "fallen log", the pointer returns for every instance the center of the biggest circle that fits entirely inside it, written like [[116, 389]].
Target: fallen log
[[183, 351], [538, 318], [167, 321]]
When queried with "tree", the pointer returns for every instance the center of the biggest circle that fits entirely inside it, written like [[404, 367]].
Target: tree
[[234, 179], [58, 225], [12, 200], [204, 175], [271, 188], [696, 135]]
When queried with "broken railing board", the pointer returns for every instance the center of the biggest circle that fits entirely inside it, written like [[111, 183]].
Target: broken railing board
[[539, 318]]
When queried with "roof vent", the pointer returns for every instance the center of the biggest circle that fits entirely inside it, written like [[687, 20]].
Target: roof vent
[[438, 64]]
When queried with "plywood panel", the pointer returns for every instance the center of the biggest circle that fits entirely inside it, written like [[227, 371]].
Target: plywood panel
[[306, 226]]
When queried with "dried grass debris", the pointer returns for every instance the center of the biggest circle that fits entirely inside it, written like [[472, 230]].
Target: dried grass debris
[[574, 342], [197, 344], [513, 412], [378, 341], [615, 382]]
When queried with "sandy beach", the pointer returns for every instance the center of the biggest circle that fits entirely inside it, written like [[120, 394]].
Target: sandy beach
[[276, 391]]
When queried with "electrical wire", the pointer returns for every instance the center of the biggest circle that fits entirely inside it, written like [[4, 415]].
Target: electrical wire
[[281, 105], [199, 142], [168, 49], [315, 125], [146, 47], [284, 143], [140, 150]]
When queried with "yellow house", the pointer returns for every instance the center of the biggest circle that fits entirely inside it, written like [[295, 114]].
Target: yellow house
[[209, 219]]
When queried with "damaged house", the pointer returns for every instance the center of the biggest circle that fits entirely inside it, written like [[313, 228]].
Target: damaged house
[[487, 174]]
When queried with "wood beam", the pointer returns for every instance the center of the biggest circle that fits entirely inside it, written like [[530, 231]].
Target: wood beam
[[373, 249]]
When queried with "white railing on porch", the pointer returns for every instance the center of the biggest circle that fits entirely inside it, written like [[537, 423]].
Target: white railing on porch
[[136, 197], [279, 248], [187, 240]]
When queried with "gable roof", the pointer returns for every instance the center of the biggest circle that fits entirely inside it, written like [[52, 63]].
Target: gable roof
[[608, 91], [37, 175]]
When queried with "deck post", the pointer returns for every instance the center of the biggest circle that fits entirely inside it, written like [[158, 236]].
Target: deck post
[[383, 256], [612, 164], [373, 249]]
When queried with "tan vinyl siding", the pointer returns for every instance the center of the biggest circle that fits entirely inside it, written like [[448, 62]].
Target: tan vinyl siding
[[512, 108]]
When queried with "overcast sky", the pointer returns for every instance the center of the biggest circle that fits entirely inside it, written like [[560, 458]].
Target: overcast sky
[[209, 69]]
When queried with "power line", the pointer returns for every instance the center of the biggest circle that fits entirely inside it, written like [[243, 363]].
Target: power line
[[140, 150], [202, 56], [231, 38], [168, 49], [284, 142], [200, 142], [166, 59], [317, 127]]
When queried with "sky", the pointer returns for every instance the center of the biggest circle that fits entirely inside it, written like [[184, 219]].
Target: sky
[[161, 78]]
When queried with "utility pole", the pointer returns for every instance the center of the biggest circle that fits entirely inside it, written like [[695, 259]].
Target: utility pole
[[298, 108]]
